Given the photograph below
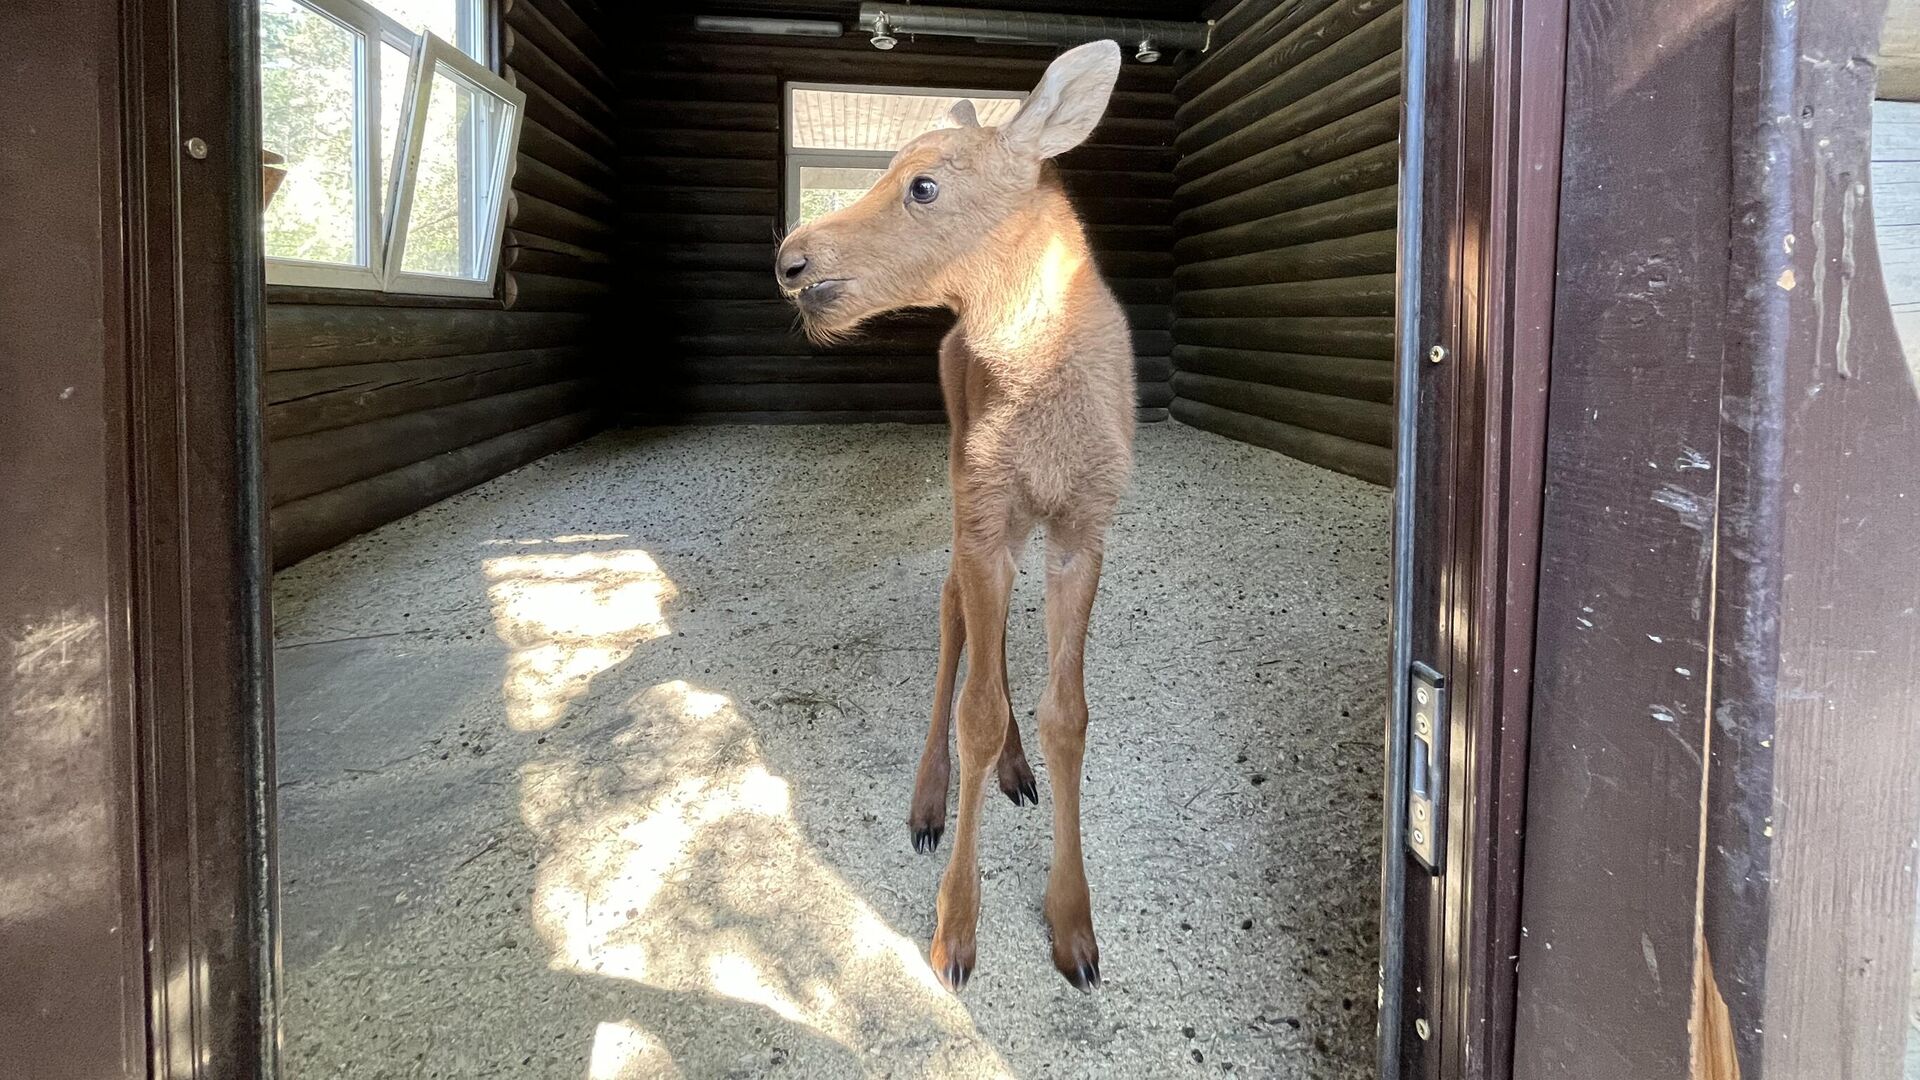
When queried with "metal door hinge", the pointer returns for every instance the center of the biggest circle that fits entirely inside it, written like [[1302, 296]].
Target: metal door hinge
[[1426, 767]]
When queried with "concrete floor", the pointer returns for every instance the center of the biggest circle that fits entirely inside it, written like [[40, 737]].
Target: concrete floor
[[601, 770]]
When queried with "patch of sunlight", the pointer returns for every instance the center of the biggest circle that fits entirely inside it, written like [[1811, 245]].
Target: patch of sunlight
[[675, 862], [624, 1052], [572, 538], [568, 617]]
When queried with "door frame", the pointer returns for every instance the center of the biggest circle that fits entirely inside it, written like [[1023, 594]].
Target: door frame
[[133, 127], [1480, 183]]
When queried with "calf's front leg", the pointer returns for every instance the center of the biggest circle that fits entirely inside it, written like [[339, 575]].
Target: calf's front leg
[[981, 719]]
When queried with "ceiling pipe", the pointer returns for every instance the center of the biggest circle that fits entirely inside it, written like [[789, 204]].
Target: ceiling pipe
[[1149, 38]]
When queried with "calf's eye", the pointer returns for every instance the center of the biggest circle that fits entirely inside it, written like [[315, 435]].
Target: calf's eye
[[923, 189]]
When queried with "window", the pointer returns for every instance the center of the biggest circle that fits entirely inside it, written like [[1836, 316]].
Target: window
[[840, 138], [397, 143]]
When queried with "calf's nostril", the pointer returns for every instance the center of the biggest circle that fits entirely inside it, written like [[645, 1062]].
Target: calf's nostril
[[792, 266]]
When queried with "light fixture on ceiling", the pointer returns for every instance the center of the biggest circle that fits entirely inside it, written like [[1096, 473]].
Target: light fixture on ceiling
[[887, 20], [752, 24]]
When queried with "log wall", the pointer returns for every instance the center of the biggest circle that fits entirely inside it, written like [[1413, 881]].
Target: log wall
[[378, 405], [1287, 164], [700, 178]]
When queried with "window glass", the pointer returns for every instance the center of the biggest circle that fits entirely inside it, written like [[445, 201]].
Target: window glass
[[825, 189], [453, 21], [309, 71], [451, 221], [879, 121]]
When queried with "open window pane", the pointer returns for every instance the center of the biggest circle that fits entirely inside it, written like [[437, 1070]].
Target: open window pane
[[393, 108], [309, 78], [826, 189], [462, 139]]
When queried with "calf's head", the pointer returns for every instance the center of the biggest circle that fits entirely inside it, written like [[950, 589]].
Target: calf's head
[[936, 217]]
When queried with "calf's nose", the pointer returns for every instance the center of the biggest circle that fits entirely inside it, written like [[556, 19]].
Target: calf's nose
[[790, 265]]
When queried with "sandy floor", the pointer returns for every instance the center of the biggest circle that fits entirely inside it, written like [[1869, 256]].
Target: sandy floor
[[601, 770]]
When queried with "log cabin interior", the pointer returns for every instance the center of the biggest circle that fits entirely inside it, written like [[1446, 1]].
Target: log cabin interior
[[605, 605]]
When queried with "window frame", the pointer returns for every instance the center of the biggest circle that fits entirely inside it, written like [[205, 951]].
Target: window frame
[[795, 158], [375, 228], [432, 52]]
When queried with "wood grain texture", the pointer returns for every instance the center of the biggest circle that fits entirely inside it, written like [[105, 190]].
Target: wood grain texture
[[1283, 298]]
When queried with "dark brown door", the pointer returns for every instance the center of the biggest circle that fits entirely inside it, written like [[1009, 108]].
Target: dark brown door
[[133, 927]]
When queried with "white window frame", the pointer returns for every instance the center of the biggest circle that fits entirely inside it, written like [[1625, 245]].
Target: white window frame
[[384, 220], [432, 53], [804, 157]]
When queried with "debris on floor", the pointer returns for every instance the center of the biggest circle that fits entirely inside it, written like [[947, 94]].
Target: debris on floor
[[601, 770]]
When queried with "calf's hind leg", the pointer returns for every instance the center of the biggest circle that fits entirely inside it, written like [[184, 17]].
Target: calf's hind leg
[[1073, 575]]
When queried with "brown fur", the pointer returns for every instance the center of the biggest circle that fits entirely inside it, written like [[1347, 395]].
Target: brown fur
[[1037, 376]]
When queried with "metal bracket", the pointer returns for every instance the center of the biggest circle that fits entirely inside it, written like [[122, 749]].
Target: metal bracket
[[1426, 766]]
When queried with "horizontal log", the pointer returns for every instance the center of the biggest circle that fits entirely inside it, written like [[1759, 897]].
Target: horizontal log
[[715, 116], [1345, 30], [317, 294], [648, 134], [1134, 264], [646, 230], [562, 119], [1346, 376], [1147, 316], [693, 86], [577, 21], [528, 241], [1376, 82], [1362, 421], [1099, 157], [527, 60], [1371, 294], [1351, 215], [1089, 184], [321, 399], [1121, 211], [696, 285], [830, 368], [542, 143], [531, 176], [1116, 130], [307, 526], [1130, 238], [1241, 35], [1341, 257], [531, 214], [323, 335], [805, 397], [1364, 460], [1364, 171], [911, 368], [1153, 395], [1326, 335], [756, 256], [525, 260], [548, 292], [837, 416], [646, 200], [305, 465], [684, 172], [1376, 125], [1287, 85], [571, 42]]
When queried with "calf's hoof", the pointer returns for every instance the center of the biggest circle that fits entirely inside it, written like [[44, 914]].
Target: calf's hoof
[[951, 961], [1016, 780]]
